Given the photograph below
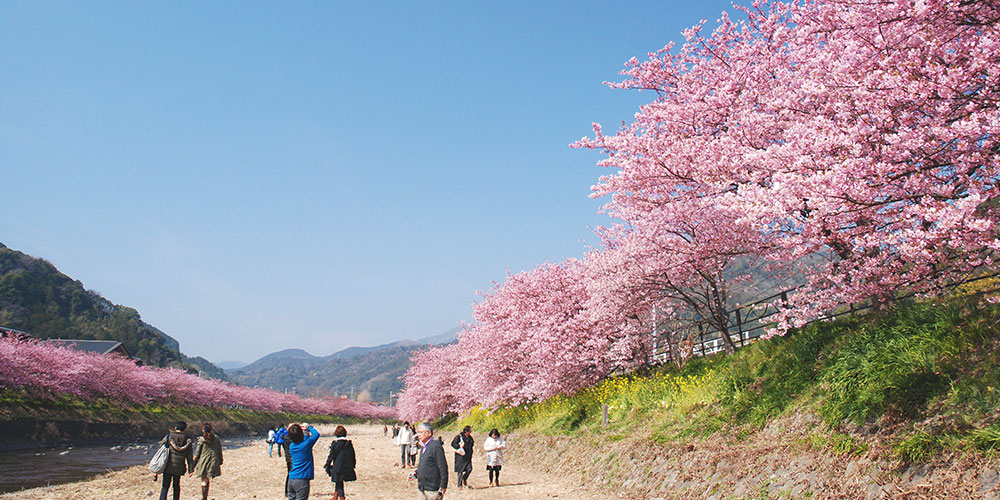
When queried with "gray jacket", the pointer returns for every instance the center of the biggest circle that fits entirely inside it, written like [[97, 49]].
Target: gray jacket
[[432, 473]]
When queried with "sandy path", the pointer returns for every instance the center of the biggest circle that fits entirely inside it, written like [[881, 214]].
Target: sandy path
[[248, 473]]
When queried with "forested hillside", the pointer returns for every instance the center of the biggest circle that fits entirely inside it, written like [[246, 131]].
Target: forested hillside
[[36, 298]]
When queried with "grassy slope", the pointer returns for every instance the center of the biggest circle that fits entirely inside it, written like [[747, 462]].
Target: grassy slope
[[921, 381]]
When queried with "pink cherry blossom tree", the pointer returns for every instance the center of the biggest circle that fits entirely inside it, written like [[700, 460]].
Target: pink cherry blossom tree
[[862, 131], [862, 135]]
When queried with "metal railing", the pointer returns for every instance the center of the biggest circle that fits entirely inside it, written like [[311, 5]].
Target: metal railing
[[746, 324]]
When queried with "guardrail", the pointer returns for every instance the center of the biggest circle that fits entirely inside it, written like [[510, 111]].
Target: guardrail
[[749, 322]]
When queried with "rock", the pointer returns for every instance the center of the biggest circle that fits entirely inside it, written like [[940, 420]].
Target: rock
[[988, 479], [852, 468], [874, 491]]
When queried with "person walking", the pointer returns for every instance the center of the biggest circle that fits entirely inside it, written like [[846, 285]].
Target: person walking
[[279, 439], [207, 458], [494, 446], [463, 444], [432, 472], [282, 438], [404, 439], [179, 462], [301, 451], [414, 449], [340, 462], [271, 435]]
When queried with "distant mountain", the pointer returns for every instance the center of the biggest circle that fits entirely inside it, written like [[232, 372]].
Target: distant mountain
[[445, 338], [376, 370], [36, 298], [357, 351], [230, 365]]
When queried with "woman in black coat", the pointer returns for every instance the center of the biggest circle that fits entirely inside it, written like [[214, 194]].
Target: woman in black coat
[[463, 444], [340, 462]]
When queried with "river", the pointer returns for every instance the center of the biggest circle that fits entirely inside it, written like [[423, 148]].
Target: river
[[21, 469]]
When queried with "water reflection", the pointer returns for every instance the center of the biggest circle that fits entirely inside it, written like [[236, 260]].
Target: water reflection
[[49, 466]]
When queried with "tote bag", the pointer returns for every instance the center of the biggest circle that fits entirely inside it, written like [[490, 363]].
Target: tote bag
[[159, 461]]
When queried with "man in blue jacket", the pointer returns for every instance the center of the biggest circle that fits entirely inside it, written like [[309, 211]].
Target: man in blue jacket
[[301, 451], [432, 473]]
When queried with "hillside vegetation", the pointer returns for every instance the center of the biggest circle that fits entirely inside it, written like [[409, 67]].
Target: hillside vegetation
[[917, 382], [36, 298]]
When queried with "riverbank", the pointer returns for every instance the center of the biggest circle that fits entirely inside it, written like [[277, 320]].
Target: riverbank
[[39, 423], [249, 473]]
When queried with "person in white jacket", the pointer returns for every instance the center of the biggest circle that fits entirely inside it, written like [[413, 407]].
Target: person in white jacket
[[494, 446], [404, 440]]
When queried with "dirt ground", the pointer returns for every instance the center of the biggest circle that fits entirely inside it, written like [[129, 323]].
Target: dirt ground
[[248, 473]]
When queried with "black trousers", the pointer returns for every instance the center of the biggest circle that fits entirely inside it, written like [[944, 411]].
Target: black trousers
[[168, 480], [463, 475], [494, 470]]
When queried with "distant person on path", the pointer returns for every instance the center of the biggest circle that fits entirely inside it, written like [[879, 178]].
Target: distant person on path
[[207, 458], [271, 436], [432, 473], [404, 439], [340, 462], [385, 430], [279, 438], [395, 431], [301, 451], [414, 449], [180, 460], [463, 444], [494, 446]]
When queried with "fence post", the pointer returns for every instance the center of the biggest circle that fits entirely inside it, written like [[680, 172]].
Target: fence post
[[739, 326], [604, 415], [701, 338]]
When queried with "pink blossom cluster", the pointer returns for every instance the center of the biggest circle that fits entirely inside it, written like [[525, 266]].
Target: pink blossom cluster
[[45, 371], [860, 138]]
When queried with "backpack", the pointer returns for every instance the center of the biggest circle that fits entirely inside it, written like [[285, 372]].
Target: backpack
[[159, 461]]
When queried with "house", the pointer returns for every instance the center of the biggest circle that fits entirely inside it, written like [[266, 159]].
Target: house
[[12, 333], [96, 346]]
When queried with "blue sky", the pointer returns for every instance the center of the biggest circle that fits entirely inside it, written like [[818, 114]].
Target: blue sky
[[253, 177]]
